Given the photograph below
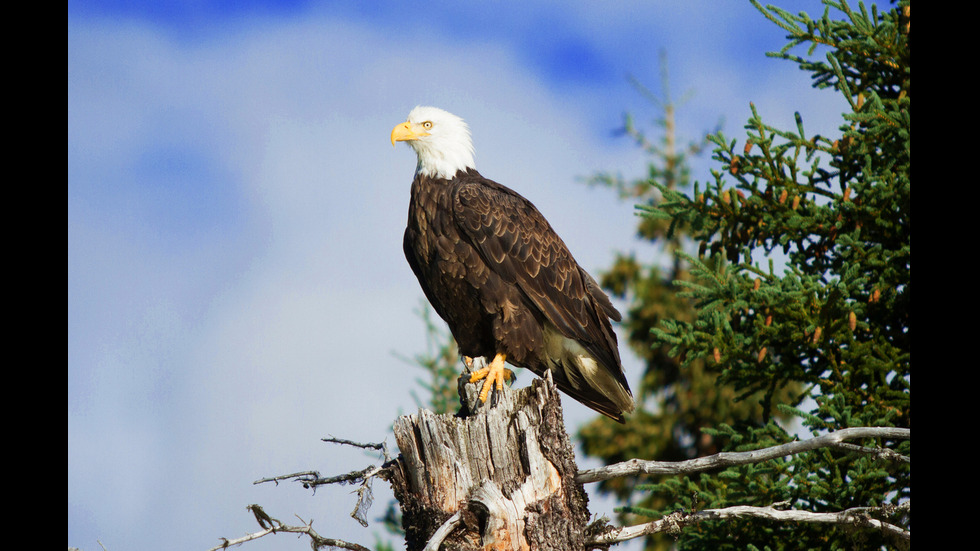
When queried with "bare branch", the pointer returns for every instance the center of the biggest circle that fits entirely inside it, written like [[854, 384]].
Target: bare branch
[[300, 477], [312, 479], [675, 522], [365, 496], [264, 520], [382, 447], [440, 534], [726, 459]]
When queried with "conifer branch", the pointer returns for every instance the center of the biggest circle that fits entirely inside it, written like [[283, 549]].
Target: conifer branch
[[726, 459]]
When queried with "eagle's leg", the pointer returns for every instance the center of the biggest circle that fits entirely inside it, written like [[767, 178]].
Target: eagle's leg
[[495, 375]]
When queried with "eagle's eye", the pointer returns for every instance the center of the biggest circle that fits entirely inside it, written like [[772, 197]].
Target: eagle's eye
[[427, 125]]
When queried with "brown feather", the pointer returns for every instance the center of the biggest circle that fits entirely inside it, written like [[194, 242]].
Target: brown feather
[[496, 272]]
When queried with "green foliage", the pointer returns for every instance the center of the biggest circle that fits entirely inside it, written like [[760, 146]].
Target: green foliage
[[733, 348], [677, 403]]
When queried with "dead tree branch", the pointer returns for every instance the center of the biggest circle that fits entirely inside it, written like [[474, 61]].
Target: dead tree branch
[[675, 522], [364, 477], [727, 459], [272, 526], [447, 527], [312, 479], [382, 447]]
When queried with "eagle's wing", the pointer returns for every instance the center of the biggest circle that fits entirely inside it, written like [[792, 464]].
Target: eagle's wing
[[517, 243]]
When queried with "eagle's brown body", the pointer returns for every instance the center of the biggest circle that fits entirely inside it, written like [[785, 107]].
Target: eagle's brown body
[[505, 283]]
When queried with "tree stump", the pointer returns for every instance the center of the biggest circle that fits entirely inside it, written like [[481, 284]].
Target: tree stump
[[507, 470]]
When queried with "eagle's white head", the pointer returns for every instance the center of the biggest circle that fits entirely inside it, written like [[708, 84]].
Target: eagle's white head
[[440, 139]]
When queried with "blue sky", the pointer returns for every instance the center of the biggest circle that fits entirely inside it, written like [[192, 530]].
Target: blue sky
[[236, 286]]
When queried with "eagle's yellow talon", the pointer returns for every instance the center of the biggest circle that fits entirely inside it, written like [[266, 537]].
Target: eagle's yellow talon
[[479, 374], [495, 375]]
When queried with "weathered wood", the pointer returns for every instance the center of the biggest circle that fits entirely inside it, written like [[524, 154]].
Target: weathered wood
[[508, 469]]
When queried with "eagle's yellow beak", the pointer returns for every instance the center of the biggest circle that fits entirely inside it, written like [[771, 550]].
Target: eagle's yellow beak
[[404, 132]]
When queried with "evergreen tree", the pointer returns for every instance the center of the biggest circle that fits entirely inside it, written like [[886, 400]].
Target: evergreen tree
[[674, 402], [731, 345]]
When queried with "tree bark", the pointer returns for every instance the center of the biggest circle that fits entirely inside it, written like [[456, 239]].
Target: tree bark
[[508, 470]]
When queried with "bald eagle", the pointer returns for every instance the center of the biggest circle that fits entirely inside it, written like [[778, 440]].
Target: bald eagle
[[501, 278]]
